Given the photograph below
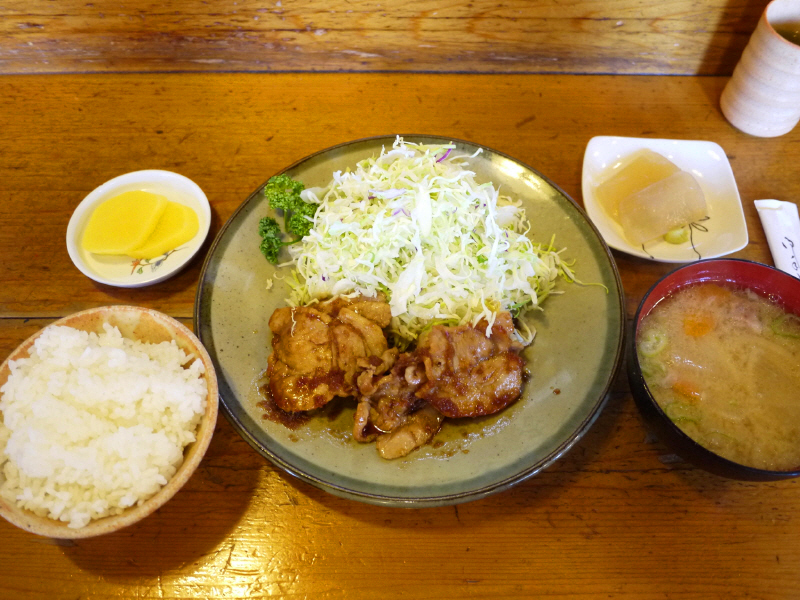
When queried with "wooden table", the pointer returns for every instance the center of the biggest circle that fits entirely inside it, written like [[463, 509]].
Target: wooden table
[[618, 517]]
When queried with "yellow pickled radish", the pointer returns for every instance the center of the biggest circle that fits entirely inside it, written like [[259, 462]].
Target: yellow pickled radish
[[643, 168], [178, 225], [667, 204], [123, 222]]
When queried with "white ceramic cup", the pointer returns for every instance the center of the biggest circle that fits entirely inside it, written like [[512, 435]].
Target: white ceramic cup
[[763, 96]]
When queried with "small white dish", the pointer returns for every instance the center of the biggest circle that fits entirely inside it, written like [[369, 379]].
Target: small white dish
[[124, 271], [724, 232]]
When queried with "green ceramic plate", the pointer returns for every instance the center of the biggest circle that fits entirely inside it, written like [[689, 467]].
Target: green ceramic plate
[[573, 360]]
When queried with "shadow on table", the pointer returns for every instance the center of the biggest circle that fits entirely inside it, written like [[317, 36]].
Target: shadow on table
[[737, 23], [187, 528], [543, 489]]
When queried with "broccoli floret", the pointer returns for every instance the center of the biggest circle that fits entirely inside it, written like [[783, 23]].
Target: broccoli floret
[[269, 227], [300, 220], [283, 194], [271, 242]]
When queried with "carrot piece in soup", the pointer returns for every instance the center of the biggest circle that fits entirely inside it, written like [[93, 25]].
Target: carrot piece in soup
[[686, 389], [698, 324]]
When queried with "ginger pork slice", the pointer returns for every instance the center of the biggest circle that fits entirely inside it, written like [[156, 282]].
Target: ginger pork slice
[[468, 373], [319, 351]]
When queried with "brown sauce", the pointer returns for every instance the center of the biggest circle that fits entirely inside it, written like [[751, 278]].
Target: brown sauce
[[272, 412]]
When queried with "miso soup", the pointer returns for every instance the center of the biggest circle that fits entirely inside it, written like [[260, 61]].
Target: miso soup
[[724, 365]]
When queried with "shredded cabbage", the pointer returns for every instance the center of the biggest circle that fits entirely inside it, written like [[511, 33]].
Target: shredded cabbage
[[414, 225]]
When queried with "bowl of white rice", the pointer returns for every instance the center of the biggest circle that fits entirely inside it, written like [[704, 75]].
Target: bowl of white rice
[[104, 416]]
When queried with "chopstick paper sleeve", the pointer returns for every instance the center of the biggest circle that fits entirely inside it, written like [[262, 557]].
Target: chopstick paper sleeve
[[782, 225]]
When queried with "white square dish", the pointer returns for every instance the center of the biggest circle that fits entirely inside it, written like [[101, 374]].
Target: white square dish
[[724, 232]]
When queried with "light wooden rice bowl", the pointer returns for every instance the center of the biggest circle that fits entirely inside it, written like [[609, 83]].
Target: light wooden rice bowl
[[144, 325]]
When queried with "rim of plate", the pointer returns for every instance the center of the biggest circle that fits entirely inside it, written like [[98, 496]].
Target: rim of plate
[[416, 501]]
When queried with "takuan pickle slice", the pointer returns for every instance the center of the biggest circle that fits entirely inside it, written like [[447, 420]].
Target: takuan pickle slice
[[177, 225], [123, 222]]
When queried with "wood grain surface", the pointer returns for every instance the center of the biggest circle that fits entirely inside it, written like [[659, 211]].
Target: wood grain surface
[[487, 36], [618, 517]]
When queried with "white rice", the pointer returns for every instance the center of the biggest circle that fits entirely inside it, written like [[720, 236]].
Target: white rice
[[93, 424]]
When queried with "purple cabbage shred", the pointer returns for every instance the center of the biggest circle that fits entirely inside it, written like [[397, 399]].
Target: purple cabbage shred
[[443, 156]]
